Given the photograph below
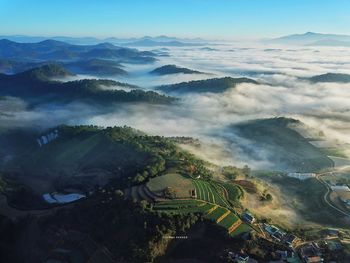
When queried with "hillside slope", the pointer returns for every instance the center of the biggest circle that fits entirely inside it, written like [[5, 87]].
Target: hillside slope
[[276, 140], [83, 156], [215, 85]]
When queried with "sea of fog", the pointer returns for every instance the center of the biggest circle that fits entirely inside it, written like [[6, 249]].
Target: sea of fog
[[283, 92]]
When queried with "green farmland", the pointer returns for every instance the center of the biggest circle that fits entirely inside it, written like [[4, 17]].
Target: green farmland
[[221, 215], [210, 192], [214, 200]]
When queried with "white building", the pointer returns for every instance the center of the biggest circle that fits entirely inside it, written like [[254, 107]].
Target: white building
[[302, 176]]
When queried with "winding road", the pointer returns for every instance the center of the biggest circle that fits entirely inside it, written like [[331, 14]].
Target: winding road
[[326, 197]]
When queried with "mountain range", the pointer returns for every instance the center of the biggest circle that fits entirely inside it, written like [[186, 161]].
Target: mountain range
[[313, 39], [95, 66], [62, 51], [93, 40], [154, 43]]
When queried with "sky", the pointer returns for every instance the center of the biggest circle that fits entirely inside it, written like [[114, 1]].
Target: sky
[[224, 19]]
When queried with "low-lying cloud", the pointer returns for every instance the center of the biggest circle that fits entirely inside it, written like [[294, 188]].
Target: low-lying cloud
[[323, 106]]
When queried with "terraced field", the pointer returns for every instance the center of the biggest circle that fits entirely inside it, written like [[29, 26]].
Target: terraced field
[[221, 215], [213, 200], [232, 192], [210, 192]]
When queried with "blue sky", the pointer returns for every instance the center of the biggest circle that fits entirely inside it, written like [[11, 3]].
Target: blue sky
[[184, 18]]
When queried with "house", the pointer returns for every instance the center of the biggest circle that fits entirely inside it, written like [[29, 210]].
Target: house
[[274, 232], [193, 193], [278, 235], [270, 229], [248, 217], [239, 257], [290, 239], [45, 139], [311, 253], [344, 188]]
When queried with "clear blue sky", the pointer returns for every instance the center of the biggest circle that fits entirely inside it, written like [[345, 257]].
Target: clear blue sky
[[184, 18]]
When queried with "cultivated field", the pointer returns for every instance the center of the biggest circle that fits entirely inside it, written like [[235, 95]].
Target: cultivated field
[[214, 200], [180, 185], [221, 215]]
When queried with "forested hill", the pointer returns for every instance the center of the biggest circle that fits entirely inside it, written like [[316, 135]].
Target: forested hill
[[331, 77], [215, 85], [173, 69], [274, 140], [37, 84], [88, 155]]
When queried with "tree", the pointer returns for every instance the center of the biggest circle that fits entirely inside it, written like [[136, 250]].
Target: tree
[[268, 197], [230, 172], [119, 193], [139, 179], [246, 170]]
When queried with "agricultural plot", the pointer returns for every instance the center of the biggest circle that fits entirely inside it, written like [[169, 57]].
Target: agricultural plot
[[217, 213], [210, 192], [183, 206], [242, 228], [179, 185], [213, 200], [227, 219], [221, 215], [234, 193]]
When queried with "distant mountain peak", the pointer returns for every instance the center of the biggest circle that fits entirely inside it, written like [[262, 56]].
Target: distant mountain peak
[[331, 77], [312, 38]]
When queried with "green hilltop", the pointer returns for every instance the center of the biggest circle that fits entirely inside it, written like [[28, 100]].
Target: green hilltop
[[173, 69], [215, 85], [283, 146]]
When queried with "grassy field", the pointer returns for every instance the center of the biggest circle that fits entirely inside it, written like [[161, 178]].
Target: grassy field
[[334, 152], [181, 185]]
